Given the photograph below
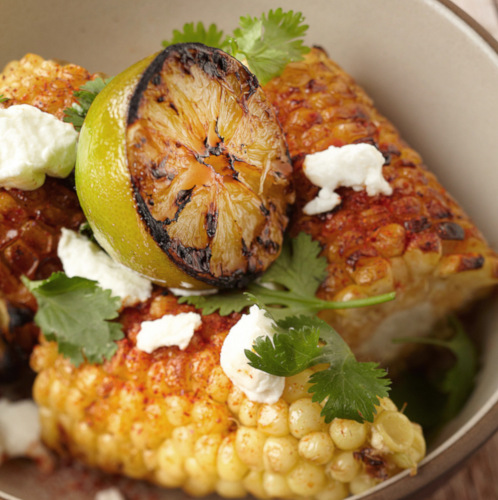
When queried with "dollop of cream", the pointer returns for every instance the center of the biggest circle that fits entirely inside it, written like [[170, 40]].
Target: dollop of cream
[[34, 144], [81, 257], [358, 166], [177, 329], [257, 385]]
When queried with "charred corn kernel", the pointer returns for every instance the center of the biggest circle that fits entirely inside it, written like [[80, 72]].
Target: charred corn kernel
[[249, 444], [230, 489], [306, 479], [317, 447], [248, 413], [253, 482], [392, 430], [296, 387], [280, 454], [304, 417], [343, 467], [274, 419], [362, 483], [410, 458], [334, 490], [230, 466], [348, 434], [276, 485]]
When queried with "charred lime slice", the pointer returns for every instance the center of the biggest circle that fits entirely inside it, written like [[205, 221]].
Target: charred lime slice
[[183, 170]]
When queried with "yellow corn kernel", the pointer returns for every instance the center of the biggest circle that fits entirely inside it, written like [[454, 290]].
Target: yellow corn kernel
[[230, 467], [235, 399], [178, 410], [276, 485], [248, 413], [253, 483], [362, 483], [49, 428], [317, 447], [409, 458], [133, 463], [218, 385], [274, 419], [395, 430], [184, 438], [304, 417], [75, 404], [41, 388], [200, 486], [86, 442], [334, 490], [230, 489], [296, 387], [280, 454], [347, 434], [249, 444], [343, 467], [210, 416], [171, 472], [108, 451], [206, 451], [306, 479]]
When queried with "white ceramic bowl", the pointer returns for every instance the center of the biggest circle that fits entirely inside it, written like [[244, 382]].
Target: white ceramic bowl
[[431, 70]]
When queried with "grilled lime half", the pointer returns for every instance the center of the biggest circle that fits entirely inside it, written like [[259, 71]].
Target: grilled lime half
[[183, 170]]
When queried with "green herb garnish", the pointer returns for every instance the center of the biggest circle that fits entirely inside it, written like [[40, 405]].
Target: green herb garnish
[[456, 383], [296, 275], [3, 98], [350, 388], [265, 44], [76, 313], [85, 96]]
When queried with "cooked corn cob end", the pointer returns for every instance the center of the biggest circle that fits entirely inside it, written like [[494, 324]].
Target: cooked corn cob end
[[174, 418], [418, 242]]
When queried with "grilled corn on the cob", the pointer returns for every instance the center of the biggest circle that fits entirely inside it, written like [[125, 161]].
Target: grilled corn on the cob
[[30, 221], [418, 242], [174, 418]]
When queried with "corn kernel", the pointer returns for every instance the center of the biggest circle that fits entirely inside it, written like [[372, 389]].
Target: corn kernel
[[178, 411], [280, 454], [334, 490], [171, 472], [249, 444], [317, 447], [274, 419], [343, 467], [253, 483], [276, 485], [306, 479], [235, 399], [248, 413], [395, 430], [230, 466], [362, 483], [210, 416], [347, 434], [206, 451], [304, 417], [296, 387], [230, 489], [218, 385]]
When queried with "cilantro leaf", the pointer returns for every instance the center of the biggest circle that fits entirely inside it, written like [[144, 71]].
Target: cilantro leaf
[[458, 381], [212, 36], [265, 44], [270, 42], [350, 388], [85, 96], [3, 98], [75, 312], [294, 278]]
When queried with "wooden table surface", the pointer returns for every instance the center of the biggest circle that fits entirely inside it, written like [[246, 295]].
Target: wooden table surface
[[478, 477]]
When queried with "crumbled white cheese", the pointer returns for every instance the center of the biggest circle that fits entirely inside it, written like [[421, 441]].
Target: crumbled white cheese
[[169, 330], [81, 257], [358, 166], [34, 144], [19, 428], [257, 385], [109, 494], [181, 292]]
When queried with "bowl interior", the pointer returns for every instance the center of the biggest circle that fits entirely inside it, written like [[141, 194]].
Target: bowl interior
[[426, 69]]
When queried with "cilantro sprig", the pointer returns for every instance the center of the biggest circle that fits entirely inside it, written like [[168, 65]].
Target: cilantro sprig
[[3, 98], [288, 288], [85, 96], [455, 383], [77, 314], [350, 388], [265, 44]]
